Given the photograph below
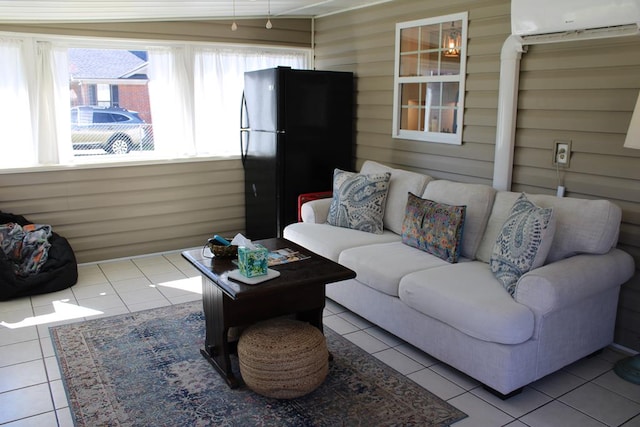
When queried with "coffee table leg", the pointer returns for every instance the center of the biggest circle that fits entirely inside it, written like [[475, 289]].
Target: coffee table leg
[[216, 349], [314, 317], [221, 362]]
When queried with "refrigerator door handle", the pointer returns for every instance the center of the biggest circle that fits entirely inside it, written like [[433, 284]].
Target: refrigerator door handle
[[243, 116], [243, 130], [244, 148]]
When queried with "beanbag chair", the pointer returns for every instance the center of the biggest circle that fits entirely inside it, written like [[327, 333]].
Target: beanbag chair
[[60, 270]]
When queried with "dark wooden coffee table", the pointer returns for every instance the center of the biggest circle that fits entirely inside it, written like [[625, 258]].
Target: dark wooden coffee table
[[299, 290]]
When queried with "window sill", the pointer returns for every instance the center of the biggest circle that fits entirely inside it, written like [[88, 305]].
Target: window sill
[[116, 163]]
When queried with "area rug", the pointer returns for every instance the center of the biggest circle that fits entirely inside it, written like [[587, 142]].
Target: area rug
[[145, 369]]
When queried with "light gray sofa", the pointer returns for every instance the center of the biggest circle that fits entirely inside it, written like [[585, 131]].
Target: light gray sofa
[[460, 313]]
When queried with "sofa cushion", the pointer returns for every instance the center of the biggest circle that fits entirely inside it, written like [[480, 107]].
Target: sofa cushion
[[381, 266], [330, 241], [468, 297], [359, 200], [478, 198], [582, 226], [523, 243], [402, 182], [433, 227]]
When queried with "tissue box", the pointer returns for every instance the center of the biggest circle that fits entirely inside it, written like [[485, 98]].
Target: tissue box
[[252, 262]]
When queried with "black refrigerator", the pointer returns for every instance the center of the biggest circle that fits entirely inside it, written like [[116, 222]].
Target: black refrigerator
[[296, 128]]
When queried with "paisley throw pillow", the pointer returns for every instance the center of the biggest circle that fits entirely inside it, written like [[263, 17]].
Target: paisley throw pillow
[[523, 243], [359, 200]]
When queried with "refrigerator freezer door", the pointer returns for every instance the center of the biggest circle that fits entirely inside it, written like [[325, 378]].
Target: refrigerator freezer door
[[261, 89]]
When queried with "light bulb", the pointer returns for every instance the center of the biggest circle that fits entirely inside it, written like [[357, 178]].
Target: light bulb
[[234, 26], [269, 25]]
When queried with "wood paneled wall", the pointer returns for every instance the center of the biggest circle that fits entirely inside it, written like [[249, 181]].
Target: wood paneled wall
[[113, 212], [285, 32], [582, 91], [362, 41], [585, 92]]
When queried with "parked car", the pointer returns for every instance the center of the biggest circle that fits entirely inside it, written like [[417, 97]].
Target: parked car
[[112, 129]]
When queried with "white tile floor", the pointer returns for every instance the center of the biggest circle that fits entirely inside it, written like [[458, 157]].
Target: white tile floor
[[585, 394]]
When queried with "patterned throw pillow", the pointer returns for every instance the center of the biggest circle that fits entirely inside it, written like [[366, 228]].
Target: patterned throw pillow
[[523, 243], [359, 200], [434, 227]]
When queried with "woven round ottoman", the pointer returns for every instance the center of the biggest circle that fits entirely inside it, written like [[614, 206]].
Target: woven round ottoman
[[283, 358]]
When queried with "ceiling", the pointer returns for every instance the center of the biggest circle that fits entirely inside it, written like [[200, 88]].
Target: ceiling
[[38, 11]]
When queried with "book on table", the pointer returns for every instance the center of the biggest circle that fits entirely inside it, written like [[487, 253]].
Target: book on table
[[285, 255]]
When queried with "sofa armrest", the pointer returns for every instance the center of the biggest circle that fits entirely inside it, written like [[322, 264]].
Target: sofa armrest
[[307, 197], [566, 281], [316, 211]]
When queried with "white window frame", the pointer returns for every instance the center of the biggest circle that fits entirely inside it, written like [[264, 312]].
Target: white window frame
[[428, 135]]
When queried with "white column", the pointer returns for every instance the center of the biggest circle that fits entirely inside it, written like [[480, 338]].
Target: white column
[[512, 50]]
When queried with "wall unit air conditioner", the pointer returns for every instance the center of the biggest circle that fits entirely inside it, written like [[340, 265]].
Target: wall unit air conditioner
[[531, 17]]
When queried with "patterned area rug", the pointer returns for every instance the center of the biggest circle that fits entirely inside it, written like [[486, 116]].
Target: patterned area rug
[[145, 369]]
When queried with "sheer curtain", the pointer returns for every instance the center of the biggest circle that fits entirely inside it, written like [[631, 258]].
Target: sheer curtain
[[171, 98], [218, 85], [17, 142], [52, 111]]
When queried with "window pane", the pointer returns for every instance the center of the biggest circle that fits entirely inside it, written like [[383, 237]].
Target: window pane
[[409, 39], [450, 96], [413, 103], [451, 47], [429, 65], [442, 105], [409, 65], [450, 65], [113, 117], [430, 37]]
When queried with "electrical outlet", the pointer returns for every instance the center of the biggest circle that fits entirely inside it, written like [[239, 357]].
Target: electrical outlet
[[561, 153]]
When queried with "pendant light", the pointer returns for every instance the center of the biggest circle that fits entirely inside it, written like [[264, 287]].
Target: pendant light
[[452, 42], [268, 26], [234, 26]]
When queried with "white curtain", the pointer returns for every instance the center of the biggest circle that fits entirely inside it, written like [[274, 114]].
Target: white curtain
[[218, 84], [171, 98], [17, 147], [53, 111]]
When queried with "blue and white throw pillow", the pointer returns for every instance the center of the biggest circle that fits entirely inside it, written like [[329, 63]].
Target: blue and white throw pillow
[[523, 243], [359, 200]]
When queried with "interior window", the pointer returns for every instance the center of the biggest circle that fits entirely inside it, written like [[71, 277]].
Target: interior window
[[429, 79]]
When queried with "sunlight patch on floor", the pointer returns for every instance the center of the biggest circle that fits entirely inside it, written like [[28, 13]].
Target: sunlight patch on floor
[[191, 284], [62, 311]]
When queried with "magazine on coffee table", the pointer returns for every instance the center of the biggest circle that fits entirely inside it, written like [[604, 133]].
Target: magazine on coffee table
[[283, 256]]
